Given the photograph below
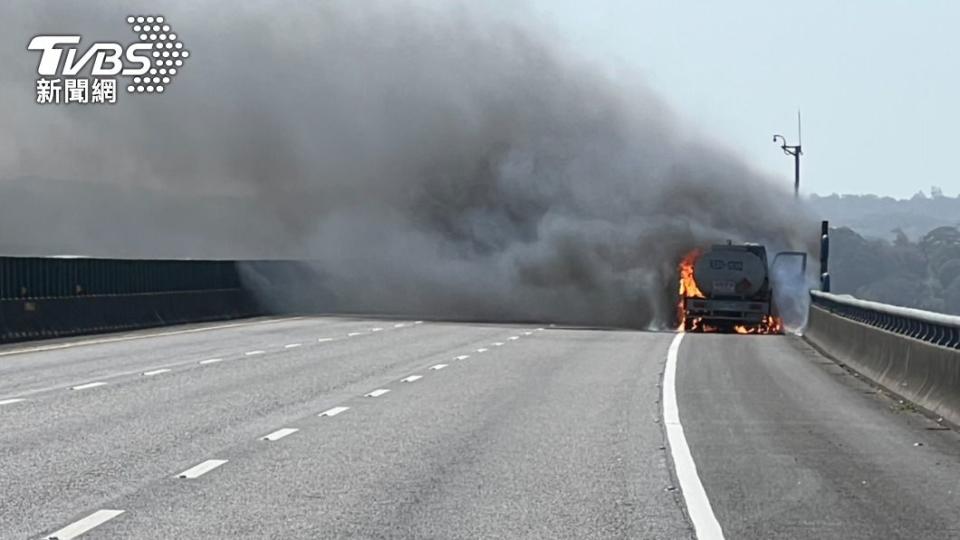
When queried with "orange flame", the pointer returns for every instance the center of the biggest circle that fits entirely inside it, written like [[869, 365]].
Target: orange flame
[[688, 286], [769, 325], [772, 325]]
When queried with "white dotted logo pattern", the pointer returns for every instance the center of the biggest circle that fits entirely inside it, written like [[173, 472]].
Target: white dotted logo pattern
[[168, 54]]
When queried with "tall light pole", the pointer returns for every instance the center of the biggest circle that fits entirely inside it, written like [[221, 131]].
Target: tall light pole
[[796, 152]]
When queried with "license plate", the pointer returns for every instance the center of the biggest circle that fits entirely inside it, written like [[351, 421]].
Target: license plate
[[724, 287]]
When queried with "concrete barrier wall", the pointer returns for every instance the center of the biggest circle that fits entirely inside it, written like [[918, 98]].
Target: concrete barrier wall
[[926, 374]]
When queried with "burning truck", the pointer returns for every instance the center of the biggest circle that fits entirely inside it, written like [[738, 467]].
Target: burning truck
[[727, 288]]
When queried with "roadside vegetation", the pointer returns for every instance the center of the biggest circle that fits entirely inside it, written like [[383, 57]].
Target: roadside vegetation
[[922, 273]]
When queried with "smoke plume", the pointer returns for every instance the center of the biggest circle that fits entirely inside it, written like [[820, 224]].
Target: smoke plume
[[435, 160]]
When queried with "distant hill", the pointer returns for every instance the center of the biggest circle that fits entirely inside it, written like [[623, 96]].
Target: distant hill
[[922, 274], [881, 217], [897, 251]]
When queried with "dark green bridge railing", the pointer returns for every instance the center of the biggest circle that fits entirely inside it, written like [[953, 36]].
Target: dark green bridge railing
[[59, 296]]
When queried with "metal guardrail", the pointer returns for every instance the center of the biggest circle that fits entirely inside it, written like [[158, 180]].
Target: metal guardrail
[[927, 326]]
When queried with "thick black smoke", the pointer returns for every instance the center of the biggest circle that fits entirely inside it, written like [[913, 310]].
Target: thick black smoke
[[437, 161]]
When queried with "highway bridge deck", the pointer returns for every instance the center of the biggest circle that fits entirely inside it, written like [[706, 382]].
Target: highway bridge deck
[[326, 427]]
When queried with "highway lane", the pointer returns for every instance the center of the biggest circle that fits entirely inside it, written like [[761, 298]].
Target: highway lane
[[553, 435], [74, 456], [51, 364], [62, 447], [502, 431], [789, 445]]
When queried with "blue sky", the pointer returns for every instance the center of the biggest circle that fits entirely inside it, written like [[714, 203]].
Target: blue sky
[[878, 81]]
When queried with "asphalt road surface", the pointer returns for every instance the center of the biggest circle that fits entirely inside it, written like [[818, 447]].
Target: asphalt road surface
[[330, 427]]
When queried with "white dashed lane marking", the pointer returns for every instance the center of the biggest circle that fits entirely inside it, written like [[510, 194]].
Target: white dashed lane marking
[[334, 411], [144, 336], [156, 372], [88, 385], [324, 339], [438, 367], [84, 525], [528, 333], [211, 361], [279, 434], [399, 325], [292, 345], [353, 334], [377, 393], [462, 357], [376, 329], [254, 353], [481, 350], [513, 338], [498, 344], [201, 469], [412, 378], [11, 401]]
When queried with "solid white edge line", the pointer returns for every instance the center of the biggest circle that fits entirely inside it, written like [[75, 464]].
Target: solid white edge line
[[156, 372], [84, 525], [201, 469], [211, 361], [334, 411], [11, 401], [377, 393], [279, 434], [88, 385], [412, 378], [705, 523]]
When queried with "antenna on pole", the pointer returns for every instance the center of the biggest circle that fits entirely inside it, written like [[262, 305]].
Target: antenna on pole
[[799, 130]]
